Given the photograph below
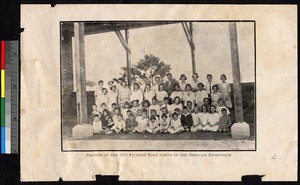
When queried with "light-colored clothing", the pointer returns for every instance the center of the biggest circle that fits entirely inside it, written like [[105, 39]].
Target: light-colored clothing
[[208, 87], [112, 96], [194, 85], [152, 127], [98, 91], [102, 99], [149, 95], [119, 126], [215, 97], [214, 121], [188, 96], [176, 93], [163, 125], [136, 95], [173, 106], [225, 90], [142, 124], [182, 85], [219, 110], [175, 126], [196, 119], [160, 95], [204, 120], [199, 96], [134, 110], [167, 106], [97, 126], [155, 87], [115, 118], [92, 116], [123, 96], [155, 107]]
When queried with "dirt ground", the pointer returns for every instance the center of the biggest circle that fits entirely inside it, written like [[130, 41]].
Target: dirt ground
[[201, 141], [67, 134]]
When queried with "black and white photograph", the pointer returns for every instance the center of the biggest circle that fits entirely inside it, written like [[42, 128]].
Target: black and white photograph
[[158, 85]]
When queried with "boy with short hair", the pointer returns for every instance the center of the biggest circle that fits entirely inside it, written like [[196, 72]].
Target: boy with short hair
[[186, 119]]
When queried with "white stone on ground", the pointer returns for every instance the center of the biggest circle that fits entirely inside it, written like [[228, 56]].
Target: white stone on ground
[[82, 131], [240, 131]]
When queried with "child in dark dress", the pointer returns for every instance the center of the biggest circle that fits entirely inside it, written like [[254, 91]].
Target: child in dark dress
[[110, 125], [186, 119], [104, 117]]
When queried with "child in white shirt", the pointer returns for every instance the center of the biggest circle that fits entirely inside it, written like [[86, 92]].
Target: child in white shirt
[[221, 106], [196, 120], [176, 93], [155, 106], [204, 119], [200, 95], [149, 94], [136, 93], [175, 126], [135, 107], [176, 104], [97, 125], [119, 125], [152, 125], [142, 123], [213, 120]]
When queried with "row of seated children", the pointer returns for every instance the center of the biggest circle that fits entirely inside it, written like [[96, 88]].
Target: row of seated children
[[134, 106], [165, 122]]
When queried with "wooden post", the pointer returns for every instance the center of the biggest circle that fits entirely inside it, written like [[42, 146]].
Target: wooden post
[[128, 59], [67, 85], [238, 103], [81, 99], [192, 49]]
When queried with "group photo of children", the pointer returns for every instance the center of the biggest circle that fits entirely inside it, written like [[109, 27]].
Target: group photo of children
[[168, 106], [143, 85]]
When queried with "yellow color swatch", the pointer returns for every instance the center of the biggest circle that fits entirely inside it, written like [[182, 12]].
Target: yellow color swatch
[[2, 83]]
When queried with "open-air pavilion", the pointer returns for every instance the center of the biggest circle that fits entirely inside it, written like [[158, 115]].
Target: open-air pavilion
[[78, 30]]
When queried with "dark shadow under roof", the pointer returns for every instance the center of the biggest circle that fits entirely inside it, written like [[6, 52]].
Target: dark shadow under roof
[[103, 27]]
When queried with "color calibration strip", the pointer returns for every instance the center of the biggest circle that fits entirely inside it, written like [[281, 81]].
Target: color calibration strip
[[3, 58], [9, 96]]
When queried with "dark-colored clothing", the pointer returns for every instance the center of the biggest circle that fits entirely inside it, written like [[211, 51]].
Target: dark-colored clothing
[[186, 120], [169, 86], [109, 126], [104, 121], [225, 122], [130, 125]]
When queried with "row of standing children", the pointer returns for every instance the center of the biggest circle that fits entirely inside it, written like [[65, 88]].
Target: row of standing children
[[190, 93]]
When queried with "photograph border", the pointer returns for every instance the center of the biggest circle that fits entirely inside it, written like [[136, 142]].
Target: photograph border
[[93, 150]]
